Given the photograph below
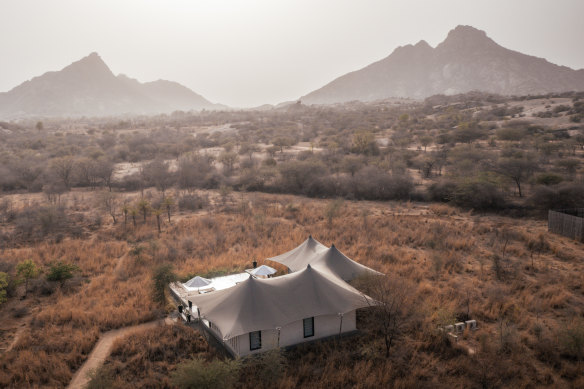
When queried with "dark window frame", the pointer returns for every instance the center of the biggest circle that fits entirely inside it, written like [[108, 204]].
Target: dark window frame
[[304, 327], [260, 340]]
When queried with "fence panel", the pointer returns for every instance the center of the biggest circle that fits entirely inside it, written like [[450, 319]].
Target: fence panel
[[565, 224]]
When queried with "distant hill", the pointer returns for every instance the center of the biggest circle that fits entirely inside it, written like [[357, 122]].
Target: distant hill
[[467, 60], [89, 88]]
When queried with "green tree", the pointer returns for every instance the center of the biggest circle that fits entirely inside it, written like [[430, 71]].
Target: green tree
[[425, 141], [61, 272], [158, 212], [282, 142], [168, 203], [364, 143], [27, 270], [125, 211], [199, 374], [162, 276], [133, 212], [143, 206]]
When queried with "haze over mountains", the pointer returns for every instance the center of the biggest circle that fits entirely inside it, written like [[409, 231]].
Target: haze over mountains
[[467, 60], [89, 88]]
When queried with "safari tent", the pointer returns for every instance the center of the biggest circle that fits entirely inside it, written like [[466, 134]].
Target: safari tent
[[261, 314], [297, 258], [327, 260]]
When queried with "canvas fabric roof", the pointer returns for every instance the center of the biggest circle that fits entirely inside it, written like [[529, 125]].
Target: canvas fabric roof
[[263, 270], [258, 304], [328, 260], [334, 262], [298, 258], [197, 282]]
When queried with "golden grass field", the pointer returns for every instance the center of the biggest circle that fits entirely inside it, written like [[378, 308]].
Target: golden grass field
[[456, 261]]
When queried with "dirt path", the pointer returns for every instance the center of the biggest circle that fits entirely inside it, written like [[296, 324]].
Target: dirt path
[[103, 347]]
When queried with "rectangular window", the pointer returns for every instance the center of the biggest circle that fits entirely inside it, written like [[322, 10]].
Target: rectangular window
[[308, 327], [255, 340]]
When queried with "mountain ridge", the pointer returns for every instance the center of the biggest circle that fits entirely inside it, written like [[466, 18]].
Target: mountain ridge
[[87, 87], [466, 60]]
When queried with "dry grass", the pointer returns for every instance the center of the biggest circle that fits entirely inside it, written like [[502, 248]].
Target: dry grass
[[146, 359], [448, 254]]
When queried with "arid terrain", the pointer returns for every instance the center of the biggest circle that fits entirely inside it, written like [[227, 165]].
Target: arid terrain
[[456, 263], [447, 197]]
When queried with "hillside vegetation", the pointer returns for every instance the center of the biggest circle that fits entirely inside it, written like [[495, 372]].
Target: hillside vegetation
[[445, 197], [521, 153], [523, 286]]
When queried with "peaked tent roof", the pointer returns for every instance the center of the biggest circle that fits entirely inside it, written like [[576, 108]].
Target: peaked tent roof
[[197, 282], [297, 259], [263, 270], [334, 262], [257, 304]]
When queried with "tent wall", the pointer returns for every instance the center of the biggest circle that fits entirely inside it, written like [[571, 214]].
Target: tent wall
[[293, 333]]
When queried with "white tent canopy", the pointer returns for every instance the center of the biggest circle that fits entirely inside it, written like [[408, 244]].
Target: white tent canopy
[[327, 260], [197, 282], [257, 304], [334, 262], [263, 270], [298, 258]]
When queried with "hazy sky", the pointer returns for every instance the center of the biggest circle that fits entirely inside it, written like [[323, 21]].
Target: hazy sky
[[247, 53]]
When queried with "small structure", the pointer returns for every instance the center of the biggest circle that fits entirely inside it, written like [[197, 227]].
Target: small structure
[[257, 315], [471, 324], [567, 222], [197, 282], [263, 271], [459, 327]]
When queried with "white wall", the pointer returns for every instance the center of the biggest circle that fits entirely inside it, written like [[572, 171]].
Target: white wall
[[293, 333]]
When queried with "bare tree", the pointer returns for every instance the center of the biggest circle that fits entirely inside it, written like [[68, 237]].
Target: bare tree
[[228, 159], [86, 172], [157, 174], [517, 169], [249, 149], [104, 170], [192, 171], [109, 202], [393, 307], [62, 167]]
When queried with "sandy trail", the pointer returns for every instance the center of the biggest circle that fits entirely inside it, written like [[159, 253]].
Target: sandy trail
[[103, 347]]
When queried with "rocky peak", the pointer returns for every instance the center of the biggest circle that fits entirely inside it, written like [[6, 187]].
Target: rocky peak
[[466, 37], [92, 66]]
